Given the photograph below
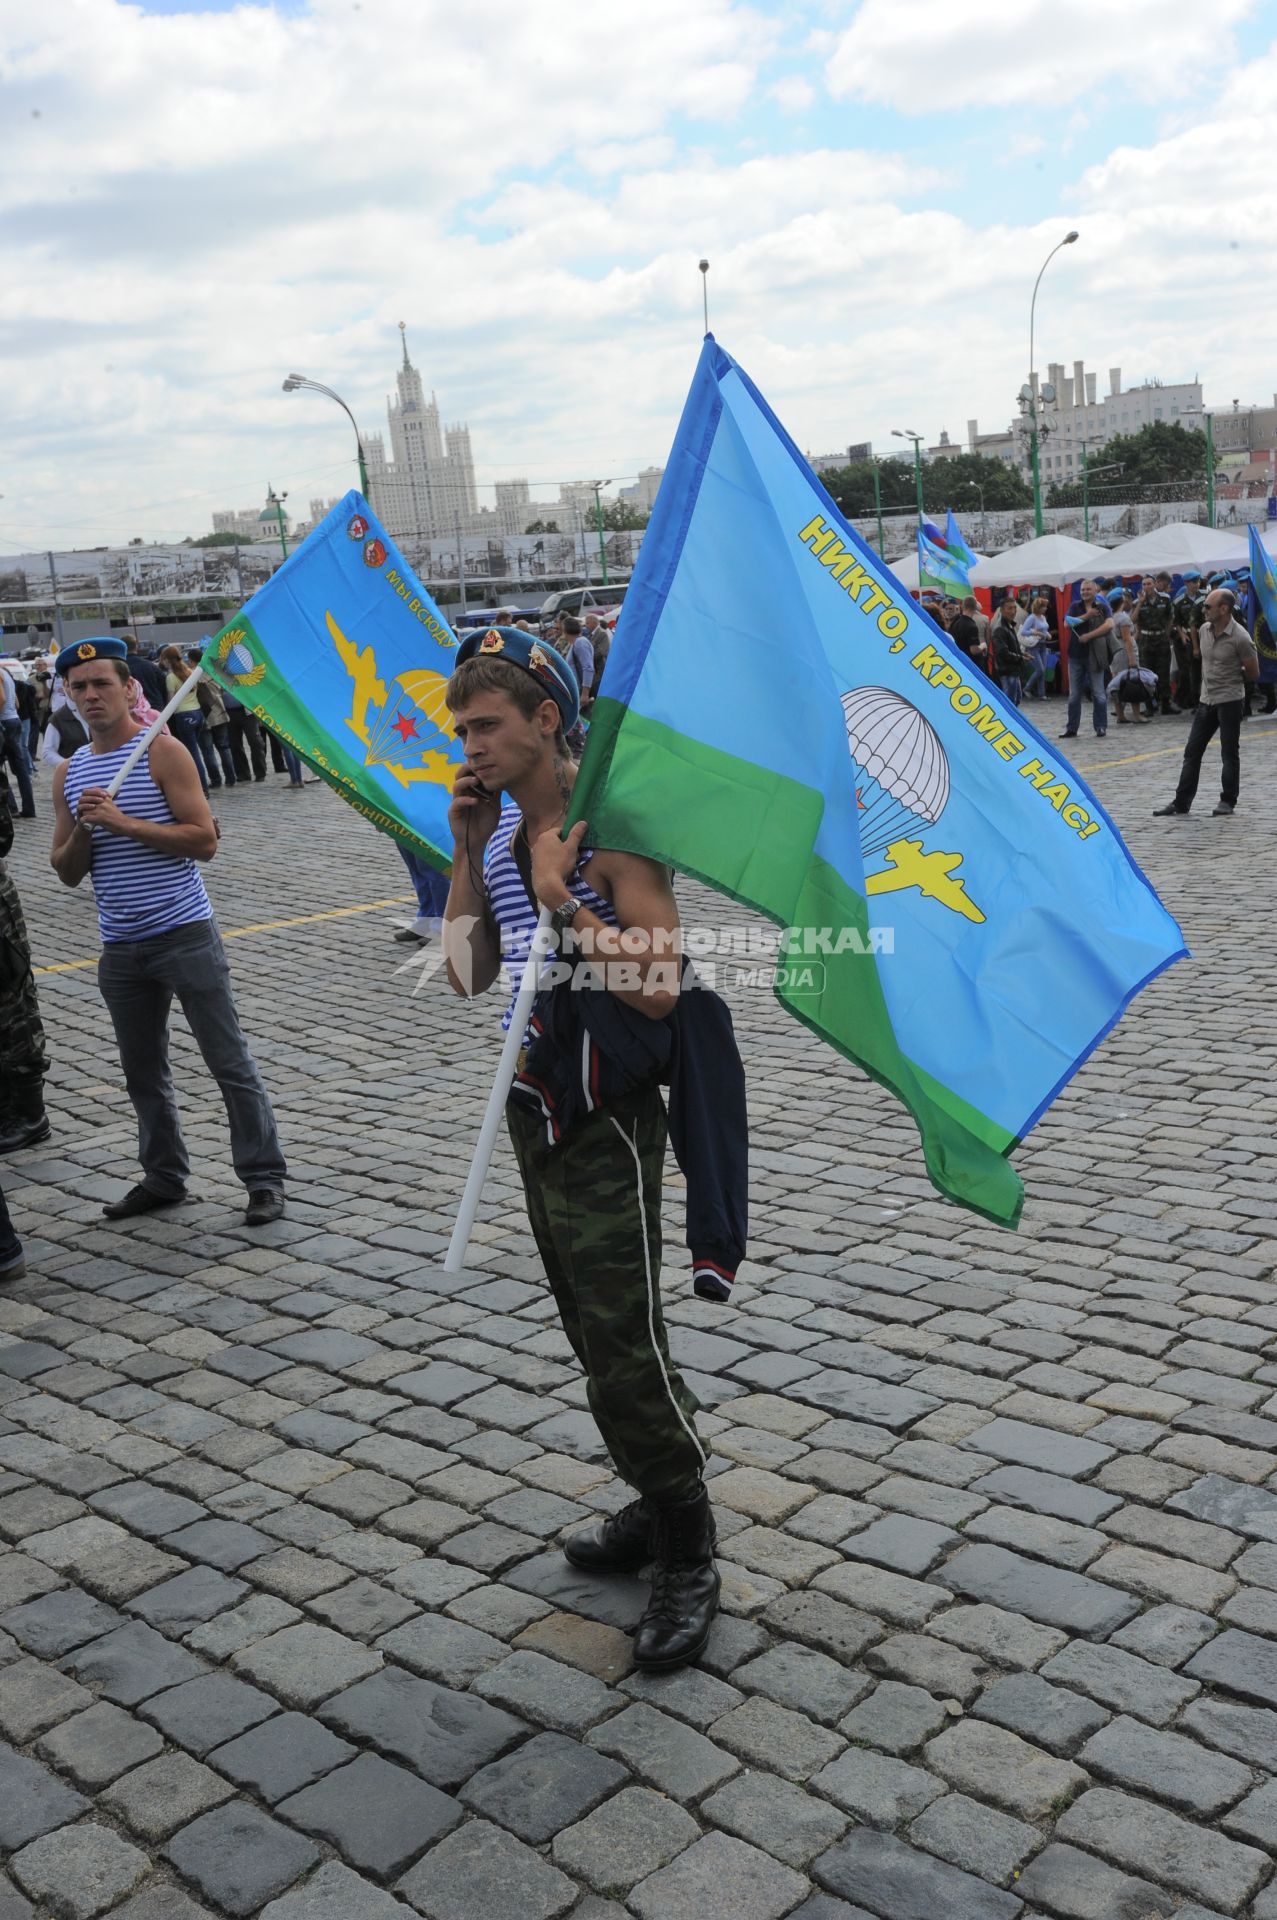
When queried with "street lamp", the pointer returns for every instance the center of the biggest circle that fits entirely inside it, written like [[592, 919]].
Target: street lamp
[[704, 272], [882, 548], [277, 500], [298, 383], [1038, 524], [907, 433], [973, 486], [598, 486]]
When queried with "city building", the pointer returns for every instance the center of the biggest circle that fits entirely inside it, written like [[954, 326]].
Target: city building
[[642, 495], [249, 526], [424, 487]]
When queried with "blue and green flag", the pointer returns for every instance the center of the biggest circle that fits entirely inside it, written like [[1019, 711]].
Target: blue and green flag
[[956, 543], [345, 656], [782, 721], [938, 568]]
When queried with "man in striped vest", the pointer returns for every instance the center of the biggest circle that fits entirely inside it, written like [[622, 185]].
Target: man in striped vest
[[159, 938], [594, 1198]]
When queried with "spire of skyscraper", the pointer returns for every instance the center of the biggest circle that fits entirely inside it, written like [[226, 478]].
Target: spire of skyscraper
[[403, 329]]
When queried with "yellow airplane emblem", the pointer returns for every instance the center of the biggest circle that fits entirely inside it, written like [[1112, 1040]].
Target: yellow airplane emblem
[[931, 873], [422, 688]]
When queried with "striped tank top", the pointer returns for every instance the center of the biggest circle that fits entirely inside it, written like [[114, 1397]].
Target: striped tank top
[[514, 912], [139, 892]]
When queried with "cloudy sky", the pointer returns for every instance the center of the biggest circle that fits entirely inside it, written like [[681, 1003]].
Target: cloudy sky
[[198, 197]]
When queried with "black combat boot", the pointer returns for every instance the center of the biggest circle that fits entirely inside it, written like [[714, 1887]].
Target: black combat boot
[[26, 1122], [685, 1583], [620, 1544]]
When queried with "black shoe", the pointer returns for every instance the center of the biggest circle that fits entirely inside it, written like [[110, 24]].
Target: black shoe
[[1101, 733], [1225, 806], [142, 1199], [259, 776], [1162, 813], [264, 1205], [405, 934], [620, 1544], [685, 1586], [15, 1270], [26, 1123]]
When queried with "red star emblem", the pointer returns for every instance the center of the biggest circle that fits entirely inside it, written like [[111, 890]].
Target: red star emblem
[[406, 727]]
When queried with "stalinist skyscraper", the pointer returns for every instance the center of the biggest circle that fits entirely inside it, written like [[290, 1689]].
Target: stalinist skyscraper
[[426, 486]]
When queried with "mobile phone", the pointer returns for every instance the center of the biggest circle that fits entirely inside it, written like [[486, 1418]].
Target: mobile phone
[[481, 792]]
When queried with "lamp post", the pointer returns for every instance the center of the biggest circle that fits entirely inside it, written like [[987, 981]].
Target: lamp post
[[907, 433], [298, 383], [598, 486], [882, 547], [277, 501], [704, 269], [1038, 524]]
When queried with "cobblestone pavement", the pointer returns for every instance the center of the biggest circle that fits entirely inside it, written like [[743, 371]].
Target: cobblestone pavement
[[283, 1624]]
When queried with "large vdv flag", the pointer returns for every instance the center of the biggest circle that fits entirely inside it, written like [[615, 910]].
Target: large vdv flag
[[345, 656], [780, 719]]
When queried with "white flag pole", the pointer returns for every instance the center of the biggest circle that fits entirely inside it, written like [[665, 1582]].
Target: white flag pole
[[144, 740], [542, 946]]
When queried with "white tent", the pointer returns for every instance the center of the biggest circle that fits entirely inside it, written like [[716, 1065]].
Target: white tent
[[1179, 544], [1052, 560]]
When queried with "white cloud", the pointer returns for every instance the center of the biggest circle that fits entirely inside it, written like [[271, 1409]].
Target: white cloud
[[793, 94], [209, 201], [915, 55]]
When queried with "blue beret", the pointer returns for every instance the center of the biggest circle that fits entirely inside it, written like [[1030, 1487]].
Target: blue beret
[[536, 657], [101, 647]]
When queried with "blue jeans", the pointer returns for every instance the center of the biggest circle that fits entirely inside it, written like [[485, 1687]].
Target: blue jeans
[[1010, 684], [1036, 682], [139, 980], [1081, 680], [187, 727], [431, 885], [14, 750]]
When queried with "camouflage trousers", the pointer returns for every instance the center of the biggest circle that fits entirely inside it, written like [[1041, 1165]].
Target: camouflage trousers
[[594, 1203], [22, 1050]]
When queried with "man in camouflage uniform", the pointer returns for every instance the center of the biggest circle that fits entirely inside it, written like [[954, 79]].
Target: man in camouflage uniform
[[1153, 613], [1189, 618], [23, 1121]]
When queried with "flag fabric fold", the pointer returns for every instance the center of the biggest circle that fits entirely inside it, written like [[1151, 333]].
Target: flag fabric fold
[[1264, 579], [780, 720], [345, 656]]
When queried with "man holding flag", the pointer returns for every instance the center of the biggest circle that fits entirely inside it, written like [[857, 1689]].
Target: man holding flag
[[586, 1116], [159, 939]]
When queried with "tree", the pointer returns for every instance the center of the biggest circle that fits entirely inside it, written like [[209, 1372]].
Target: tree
[[542, 526], [214, 540], [1161, 456], [957, 482], [620, 517]]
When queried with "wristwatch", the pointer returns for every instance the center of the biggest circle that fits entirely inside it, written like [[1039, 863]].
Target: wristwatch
[[563, 916]]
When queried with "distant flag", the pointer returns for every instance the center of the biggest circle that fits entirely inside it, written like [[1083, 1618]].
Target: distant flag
[[1263, 581], [956, 543], [940, 569], [783, 721], [345, 656]]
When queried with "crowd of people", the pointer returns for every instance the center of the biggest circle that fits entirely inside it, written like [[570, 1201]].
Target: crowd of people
[[1135, 652], [40, 726]]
